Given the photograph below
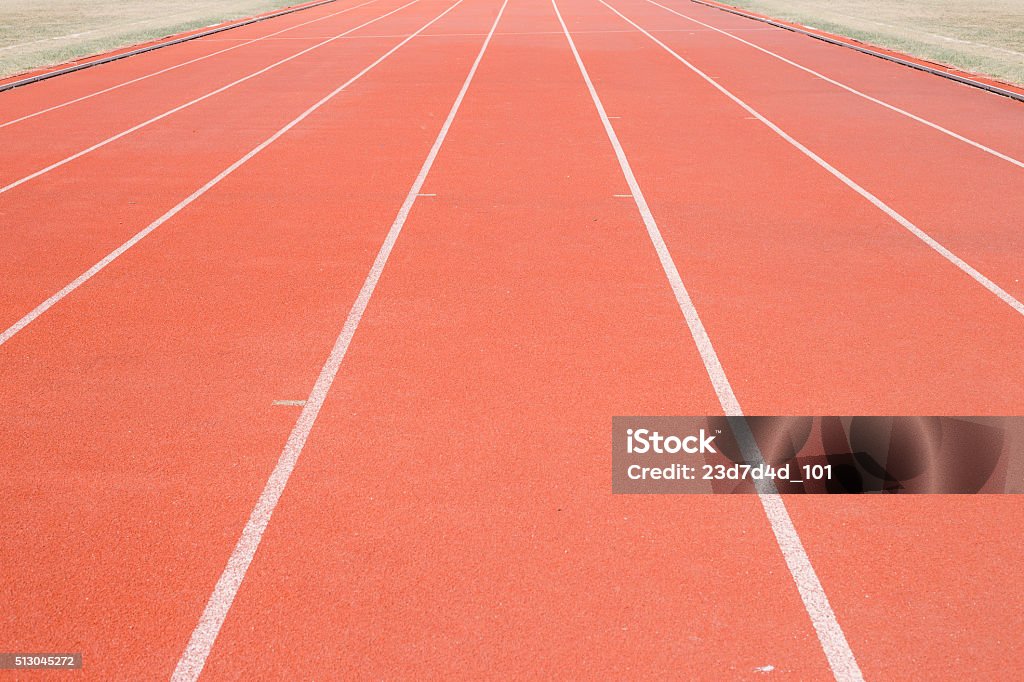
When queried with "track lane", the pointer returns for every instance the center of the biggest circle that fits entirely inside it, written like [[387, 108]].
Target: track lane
[[988, 118], [34, 154], [841, 658], [936, 587], [765, 240], [37, 111], [71, 221], [963, 198], [27, 101], [795, 281], [144, 414], [203, 638], [429, 526], [839, 84]]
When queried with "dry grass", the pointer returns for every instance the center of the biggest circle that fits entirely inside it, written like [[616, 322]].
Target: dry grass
[[37, 33], [981, 36]]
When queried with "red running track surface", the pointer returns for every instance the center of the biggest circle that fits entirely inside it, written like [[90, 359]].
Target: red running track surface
[[449, 513]]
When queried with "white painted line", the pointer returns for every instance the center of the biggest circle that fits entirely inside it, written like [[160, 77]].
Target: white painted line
[[186, 105], [833, 641], [830, 634], [139, 236], [689, 31], [891, 107], [426, 195], [981, 279], [623, 196], [290, 403], [191, 663], [245, 42]]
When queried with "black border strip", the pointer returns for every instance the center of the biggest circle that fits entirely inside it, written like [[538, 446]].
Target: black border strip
[[150, 48], [920, 67]]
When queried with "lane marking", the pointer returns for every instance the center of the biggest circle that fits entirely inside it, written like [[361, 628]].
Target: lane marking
[[139, 236], [290, 403], [859, 93], [247, 41], [188, 104], [689, 31], [981, 279], [191, 663], [421, 194], [833, 641]]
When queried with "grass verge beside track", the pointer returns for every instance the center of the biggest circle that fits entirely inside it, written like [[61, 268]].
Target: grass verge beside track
[[984, 36], [37, 34]]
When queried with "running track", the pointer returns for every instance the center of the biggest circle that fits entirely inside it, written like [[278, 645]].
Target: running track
[[466, 242]]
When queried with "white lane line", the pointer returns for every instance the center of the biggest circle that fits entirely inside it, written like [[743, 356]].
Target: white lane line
[[188, 104], [139, 236], [247, 41], [981, 279], [830, 634], [689, 31], [290, 403], [859, 93], [191, 663]]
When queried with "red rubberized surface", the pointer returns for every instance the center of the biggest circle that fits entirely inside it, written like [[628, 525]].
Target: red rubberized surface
[[451, 513]]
